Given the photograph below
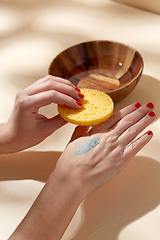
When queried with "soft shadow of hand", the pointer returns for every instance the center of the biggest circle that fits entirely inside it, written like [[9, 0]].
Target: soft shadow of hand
[[28, 165], [147, 90], [126, 198]]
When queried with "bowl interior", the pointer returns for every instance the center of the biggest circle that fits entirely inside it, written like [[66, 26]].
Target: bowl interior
[[103, 65]]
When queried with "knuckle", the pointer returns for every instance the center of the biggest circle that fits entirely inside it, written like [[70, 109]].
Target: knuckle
[[19, 96], [111, 143], [128, 120], [49, 84], [133, 146], [51, 94], [111, 139], [21, 101], [47, 77], [132, 130], [21, 104]]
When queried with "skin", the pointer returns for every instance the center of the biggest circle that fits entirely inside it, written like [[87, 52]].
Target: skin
[[75, 176], [87, 146], [15, 135]]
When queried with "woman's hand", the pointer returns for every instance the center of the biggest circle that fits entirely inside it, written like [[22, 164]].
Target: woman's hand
[[87, 163], [114, 145], [26, 127]]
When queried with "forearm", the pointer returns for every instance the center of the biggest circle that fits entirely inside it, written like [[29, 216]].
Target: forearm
[[52, 211]]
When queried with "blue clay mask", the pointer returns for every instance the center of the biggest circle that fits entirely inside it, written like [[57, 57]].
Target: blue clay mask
[[87, 146]]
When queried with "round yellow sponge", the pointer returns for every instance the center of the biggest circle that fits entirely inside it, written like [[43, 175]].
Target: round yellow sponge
[[96, 107]]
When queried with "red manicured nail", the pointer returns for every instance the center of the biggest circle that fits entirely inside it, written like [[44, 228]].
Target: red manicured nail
[[79, 103], [151, 114], [77, 89], [150, 105], [81, 95], [149, 132], [137, 105]]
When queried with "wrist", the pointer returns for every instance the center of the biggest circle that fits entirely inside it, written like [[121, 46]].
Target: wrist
[[71, 187], [69, 196], [7, 141], [4, 146], [52, 211]]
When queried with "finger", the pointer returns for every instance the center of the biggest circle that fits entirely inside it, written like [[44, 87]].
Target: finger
[[56, 122], [109, 123], [132, 118], [131, 133], [56, 79], [57, 84], [45, 98], [79, 131], [136, 146], [52, 78]]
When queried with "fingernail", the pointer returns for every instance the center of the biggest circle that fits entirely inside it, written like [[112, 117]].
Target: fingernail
[[79, 103], [150, 105], [81, 95], [137, 105], [149, 132], [77, 89], [151, 114]]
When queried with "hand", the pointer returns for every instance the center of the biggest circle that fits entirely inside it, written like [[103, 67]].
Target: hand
[[26, 127], [78, 172], [116, 147]]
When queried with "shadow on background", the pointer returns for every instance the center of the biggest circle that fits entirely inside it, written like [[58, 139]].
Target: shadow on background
[[25, 3], [28, 165], [129, 196], [147, 90], [107, 211]]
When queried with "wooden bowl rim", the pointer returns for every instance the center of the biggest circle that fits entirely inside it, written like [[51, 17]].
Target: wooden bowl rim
[[113, 42]]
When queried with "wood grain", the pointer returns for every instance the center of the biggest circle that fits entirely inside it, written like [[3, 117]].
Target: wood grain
[[111, 67]]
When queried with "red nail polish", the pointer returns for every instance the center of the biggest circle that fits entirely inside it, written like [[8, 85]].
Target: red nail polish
[[81, 95], [151, 114], [79, 103], [149, 132], [137, 105], [77, 89], [150, 105]]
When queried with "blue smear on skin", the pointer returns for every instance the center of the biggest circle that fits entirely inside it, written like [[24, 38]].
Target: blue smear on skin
[[87, 146]]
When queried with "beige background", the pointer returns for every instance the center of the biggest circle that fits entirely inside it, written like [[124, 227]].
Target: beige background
[[32, 33]]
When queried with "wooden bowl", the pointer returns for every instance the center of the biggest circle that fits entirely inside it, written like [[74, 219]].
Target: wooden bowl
[[110, 67]]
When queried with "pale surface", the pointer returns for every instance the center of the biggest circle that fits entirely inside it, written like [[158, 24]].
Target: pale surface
[[32, 33]]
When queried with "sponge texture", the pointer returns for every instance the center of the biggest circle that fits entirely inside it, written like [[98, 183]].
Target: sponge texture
[[96, 107]]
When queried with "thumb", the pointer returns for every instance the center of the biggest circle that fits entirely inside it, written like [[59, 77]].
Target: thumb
[[54, 123]]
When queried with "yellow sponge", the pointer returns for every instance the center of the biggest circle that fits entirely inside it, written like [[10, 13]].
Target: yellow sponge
[[96, 107]]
